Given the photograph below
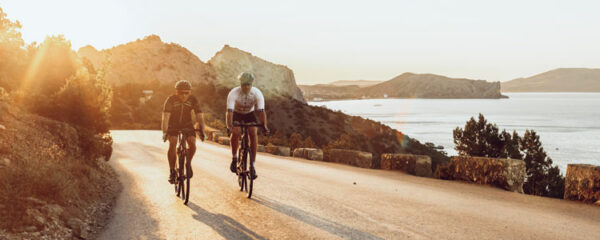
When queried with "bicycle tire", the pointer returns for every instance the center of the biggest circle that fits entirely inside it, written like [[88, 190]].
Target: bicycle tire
[[251, 185], [187, 196], [181, 178]]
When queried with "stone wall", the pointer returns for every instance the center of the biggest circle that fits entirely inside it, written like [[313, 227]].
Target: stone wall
[[351, 157], [215, 136], [309, 153], [223, 141], [504, 173], [419, 165], [260, 148], [278, 150], [582, 183]]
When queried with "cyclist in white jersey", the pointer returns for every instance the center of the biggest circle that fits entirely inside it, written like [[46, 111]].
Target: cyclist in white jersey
[[242, 104]]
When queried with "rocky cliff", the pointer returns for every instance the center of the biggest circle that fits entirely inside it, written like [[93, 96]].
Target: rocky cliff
[[148, 60], [557, 80], [272, 79]]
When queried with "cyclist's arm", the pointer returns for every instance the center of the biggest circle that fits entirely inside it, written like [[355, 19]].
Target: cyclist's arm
[[229, 118], [230, 107], [165, 121], [262, 116], [166, 115], [200, 120], [260, 107]]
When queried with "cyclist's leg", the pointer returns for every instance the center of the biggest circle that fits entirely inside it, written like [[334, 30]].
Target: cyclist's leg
[[252, 132], [171, 154], [191, 142], [234, 141], [253, 146]]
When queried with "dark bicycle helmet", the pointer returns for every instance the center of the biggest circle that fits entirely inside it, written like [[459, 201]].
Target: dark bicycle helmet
[[183, 85]]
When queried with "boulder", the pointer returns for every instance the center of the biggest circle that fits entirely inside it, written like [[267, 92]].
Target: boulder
[[278, 150], [504, 173], [419, 165], [5, 162], [351, 157], [423, 167], [582, 183], [223, 140], [309, 153], [215, 136], [260, 148], [78, 227]]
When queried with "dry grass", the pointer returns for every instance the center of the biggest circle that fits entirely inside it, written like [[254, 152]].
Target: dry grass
[[47, 166]]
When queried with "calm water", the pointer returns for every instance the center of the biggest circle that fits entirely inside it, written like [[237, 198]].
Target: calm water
[[568, 123]]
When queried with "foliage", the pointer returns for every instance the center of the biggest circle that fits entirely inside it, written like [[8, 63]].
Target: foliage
[[295, 141], [309, 143], [543, 179], [12, 53], [480, 138]]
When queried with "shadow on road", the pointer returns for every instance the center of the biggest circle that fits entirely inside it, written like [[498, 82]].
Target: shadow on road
[[314, 220], [227, 227]]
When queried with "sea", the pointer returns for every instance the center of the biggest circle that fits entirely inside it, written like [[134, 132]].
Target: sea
[[568, 123]]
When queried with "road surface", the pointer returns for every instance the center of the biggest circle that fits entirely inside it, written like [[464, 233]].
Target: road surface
[[301, 199]]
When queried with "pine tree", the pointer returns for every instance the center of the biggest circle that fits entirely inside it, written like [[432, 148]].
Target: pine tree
[[309, 143], [295, 141], [542, 178]]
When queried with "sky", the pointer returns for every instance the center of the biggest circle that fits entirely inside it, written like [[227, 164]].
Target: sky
[[324, 41]]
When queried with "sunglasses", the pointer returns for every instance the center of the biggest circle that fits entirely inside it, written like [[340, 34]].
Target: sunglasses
[[183, 93]]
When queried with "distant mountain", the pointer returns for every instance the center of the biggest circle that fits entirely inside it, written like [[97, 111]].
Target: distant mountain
[[408, 85], [360, 83], [558, 80], [271, 79]]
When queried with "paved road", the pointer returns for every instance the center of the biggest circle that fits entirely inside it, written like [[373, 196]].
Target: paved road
[[300, 199]]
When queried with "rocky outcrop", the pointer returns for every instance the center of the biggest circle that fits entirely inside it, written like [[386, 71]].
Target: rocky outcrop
[[62, 165], [582, 183], [271, 79], [557, 80], [504, 173], [309, 153], [278, 150], [419, 165], [351, 157], [148, 60]]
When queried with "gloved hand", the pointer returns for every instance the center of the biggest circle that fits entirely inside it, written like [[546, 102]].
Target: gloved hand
[[164, 136], [267, 131]]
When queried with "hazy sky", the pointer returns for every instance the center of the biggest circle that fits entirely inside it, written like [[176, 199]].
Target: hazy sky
[[323, 41]]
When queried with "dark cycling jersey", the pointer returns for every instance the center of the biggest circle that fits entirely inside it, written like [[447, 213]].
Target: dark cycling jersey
[[181, 112]]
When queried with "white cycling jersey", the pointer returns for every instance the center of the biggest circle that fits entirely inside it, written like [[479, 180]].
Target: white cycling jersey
[[242, 103]]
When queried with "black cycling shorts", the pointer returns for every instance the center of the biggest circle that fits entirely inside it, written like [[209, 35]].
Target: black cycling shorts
[[187, 132], [244, 118]]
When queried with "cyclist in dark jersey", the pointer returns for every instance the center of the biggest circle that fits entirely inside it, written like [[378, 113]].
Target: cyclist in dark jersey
[[177, 115]]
